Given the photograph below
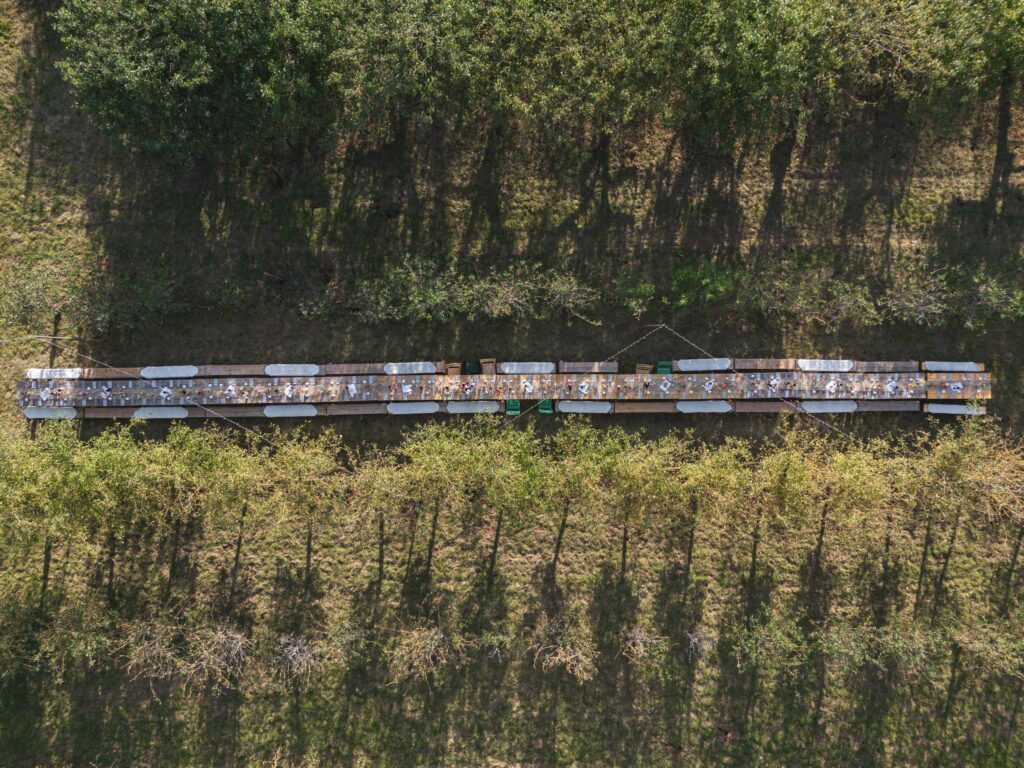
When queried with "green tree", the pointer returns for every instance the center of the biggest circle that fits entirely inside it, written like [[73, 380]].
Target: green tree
[[190, 77]]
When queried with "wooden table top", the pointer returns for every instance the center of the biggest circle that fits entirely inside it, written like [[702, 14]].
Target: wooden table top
[[368, 388]]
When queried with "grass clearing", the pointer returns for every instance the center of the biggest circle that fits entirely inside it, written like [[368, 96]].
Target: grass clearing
[[817, 616], [149, 263], [476, 593]]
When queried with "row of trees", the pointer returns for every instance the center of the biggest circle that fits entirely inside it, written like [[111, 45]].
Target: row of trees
[[479, 591], [192, 77]]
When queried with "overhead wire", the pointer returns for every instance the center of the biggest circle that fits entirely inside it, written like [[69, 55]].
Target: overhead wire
[[51, 340], [188, 400], [793, 403]]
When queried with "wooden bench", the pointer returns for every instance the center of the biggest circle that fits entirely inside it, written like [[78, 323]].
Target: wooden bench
[[575, 367], [355, 409], [762, 406], [231, 371], [113, 373], [231, 411], [909, 406], [631, 406], [886, 367], [353, 369], [765, 364], [108, 413]]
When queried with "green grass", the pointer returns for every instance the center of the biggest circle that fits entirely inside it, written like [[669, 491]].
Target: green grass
[[148, 263], [647, 603], [143, 263]]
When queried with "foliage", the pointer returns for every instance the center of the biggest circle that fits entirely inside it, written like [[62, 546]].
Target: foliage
[[918, 296], [809, 581], [414, 292], [188, 76], [996, 296], [635, 294], [914, 294], [705, 283], [814, 295], [185, 77]]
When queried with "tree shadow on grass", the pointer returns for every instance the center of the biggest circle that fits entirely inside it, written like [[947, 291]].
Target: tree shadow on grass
[[607, 713], [595, 720], [847, 183], [484, 231], [695, 207], [537, 741], [111, 717], [875, 685], [678, 611], [875, 166], [695, 201], [295, 596], [800, 692], [739, 693], [986, 235], [23, 698]]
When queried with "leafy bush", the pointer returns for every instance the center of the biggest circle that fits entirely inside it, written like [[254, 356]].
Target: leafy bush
[[705, 283], [995, 296], [812, 295], [635, 294], [187, 76], [414, 292], [918, 296]]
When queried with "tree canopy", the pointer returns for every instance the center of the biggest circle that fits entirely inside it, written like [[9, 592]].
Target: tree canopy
[[855, 603], [191, 75], [188, 76]]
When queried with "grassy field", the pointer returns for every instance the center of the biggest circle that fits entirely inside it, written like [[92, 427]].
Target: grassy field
[[832, 639], [800, 248], [482, 597]]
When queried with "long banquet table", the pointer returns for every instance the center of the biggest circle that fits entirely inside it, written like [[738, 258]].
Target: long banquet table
[[94, 394]]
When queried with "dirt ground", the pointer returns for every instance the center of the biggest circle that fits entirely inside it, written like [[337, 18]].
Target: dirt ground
[[151, 264]]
